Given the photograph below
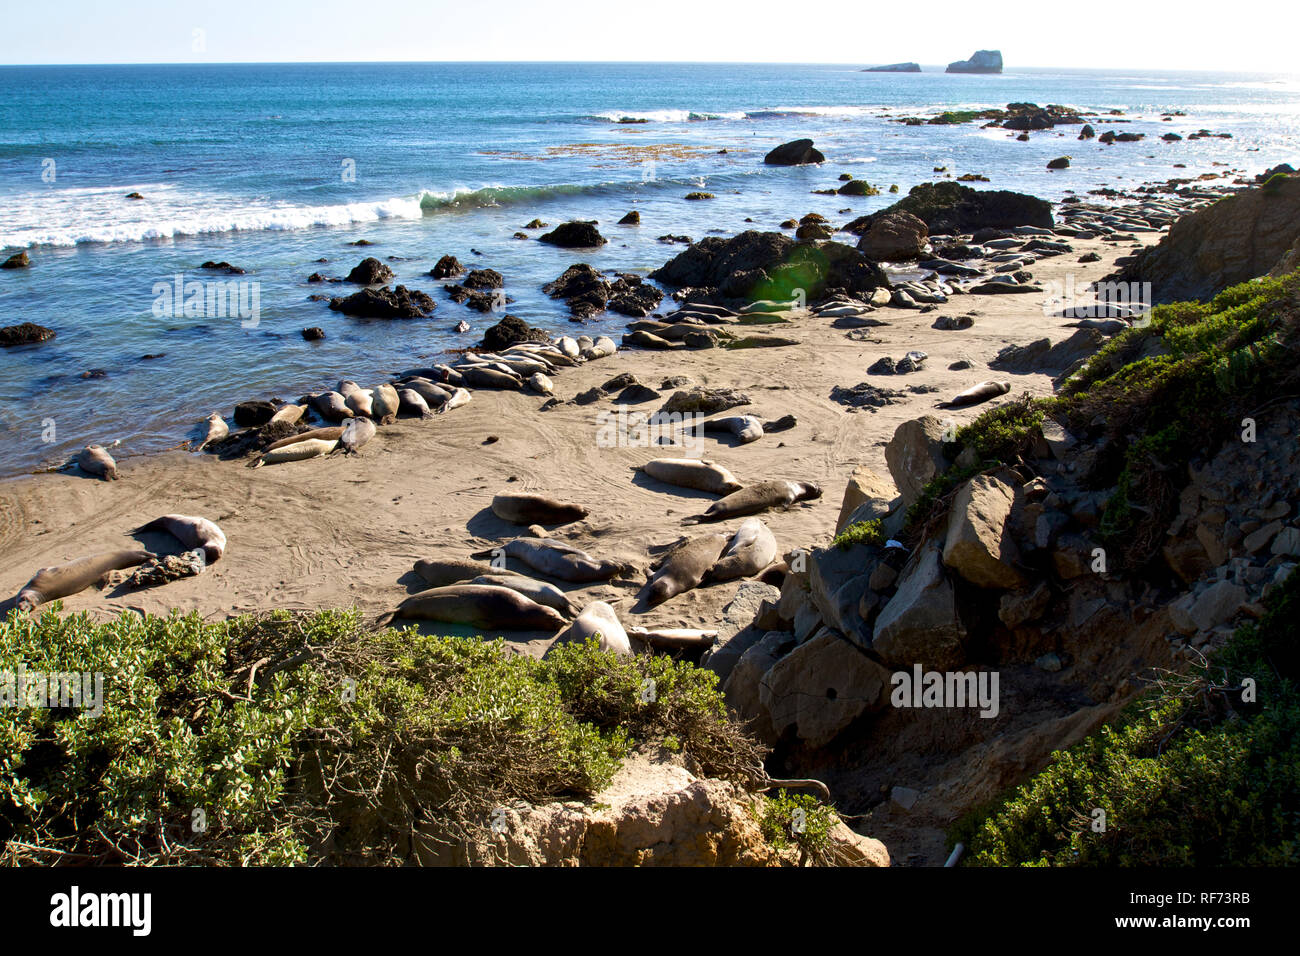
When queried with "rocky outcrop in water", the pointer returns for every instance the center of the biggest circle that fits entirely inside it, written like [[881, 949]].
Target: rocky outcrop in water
[[399, 303], [948, 207], [799, 152], [895, 68], [574, 235], [370, 271], [981, 61], [27, 333]]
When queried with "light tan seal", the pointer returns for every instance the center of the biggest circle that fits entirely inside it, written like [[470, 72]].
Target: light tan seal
[[755, 498], [217, 430], [557, 559], [297, 451], [385, 404], [700, 474], [751, 549], [95, 460], [526, 508], [63, 580], [328, 433], [479, 605], [597, 620], [531, 588], [440, 572], [193, 532], [684, 568]]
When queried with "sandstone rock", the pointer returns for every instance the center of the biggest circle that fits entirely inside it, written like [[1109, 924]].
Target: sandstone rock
[[864, 486], [510, 331], [446, 268], [978, 545], [894, 237], [399, 303], [919, 625], [821, 687], [19, 260], [1261, 538], [915, 455], [949, 207]]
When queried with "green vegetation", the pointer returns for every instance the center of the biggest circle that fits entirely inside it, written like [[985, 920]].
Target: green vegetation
[[1148, 401], [1197, 774], [861, 532], [799, 821], [1275, 182], [312, 739]]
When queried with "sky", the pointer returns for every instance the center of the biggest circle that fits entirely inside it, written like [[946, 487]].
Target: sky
[[1129, 34]]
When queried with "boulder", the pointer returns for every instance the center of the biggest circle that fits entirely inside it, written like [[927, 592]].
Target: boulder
[[864, 486], [399, 303], [1228, 242], [574, 235], [919, 624], [821, 687], [894, 237], [511, 330], [739, 629], [631, 219], [799, 152], [370, 271], [981, 61], [741, 688], [447, 267], [837, 579], [27, 333], [915, 455], [978, 545], [1061, 162], [950, 207], [1205, 611], [18, 260]]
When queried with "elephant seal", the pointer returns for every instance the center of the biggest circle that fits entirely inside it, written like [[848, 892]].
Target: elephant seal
[[346, 387], [217, 430], [384, 404], [531, 588], [977, 394], [597, 620], [478, 605], [569, 346], [361, 401], [674, 638], [603, 347], [477, 376], [684, 568], [458, 398], [288, 413], [329, 433], [192, 532], [409, 400], [355, 434], [755, 498], [440, 572], [434, 395], [95, 460], [701, 474], [331, 406], [297, 451], [535, 509], [541, 383], [557, 559], [64, 580], [752, 548], [746, 428]]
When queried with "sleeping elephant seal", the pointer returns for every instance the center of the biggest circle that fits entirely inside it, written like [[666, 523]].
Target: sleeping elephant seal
[[675, 638], [977, 394], [684, 568], [330, 406], [413, 403], [288, 413], [478, 605], [296, 451], [217, 430], [752, 549], [355, 434], [63, 580], [478, 376], [597, 620], [759, 497], [329, 433], [361, 401], [192, 532], [458, 398], [434, 395], [746, 428], [535, 509], [385, 404], [700, 474], [557, 559], [441, 572], [95, 460], [531, 588]]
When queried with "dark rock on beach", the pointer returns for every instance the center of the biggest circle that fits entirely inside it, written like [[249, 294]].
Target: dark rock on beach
[[948, 207], [370, 271], [28, 333], [510, 331], [400, 303], [799, 152], [253, 414], [574, 235], [894, 237]]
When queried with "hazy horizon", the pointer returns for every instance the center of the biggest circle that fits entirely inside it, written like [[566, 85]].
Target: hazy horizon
[[837, 32]]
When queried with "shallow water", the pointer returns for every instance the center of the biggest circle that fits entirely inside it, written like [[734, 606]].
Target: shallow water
[[274, 167]]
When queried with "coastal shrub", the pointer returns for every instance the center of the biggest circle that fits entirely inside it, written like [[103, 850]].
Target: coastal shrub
[[799, 822], [1195, 774], [860, 532], [283, 739]]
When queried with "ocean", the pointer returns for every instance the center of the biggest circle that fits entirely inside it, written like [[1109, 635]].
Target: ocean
[[274, 167]]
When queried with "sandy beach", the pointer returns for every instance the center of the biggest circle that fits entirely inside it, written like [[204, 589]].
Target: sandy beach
[[345, 531]]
